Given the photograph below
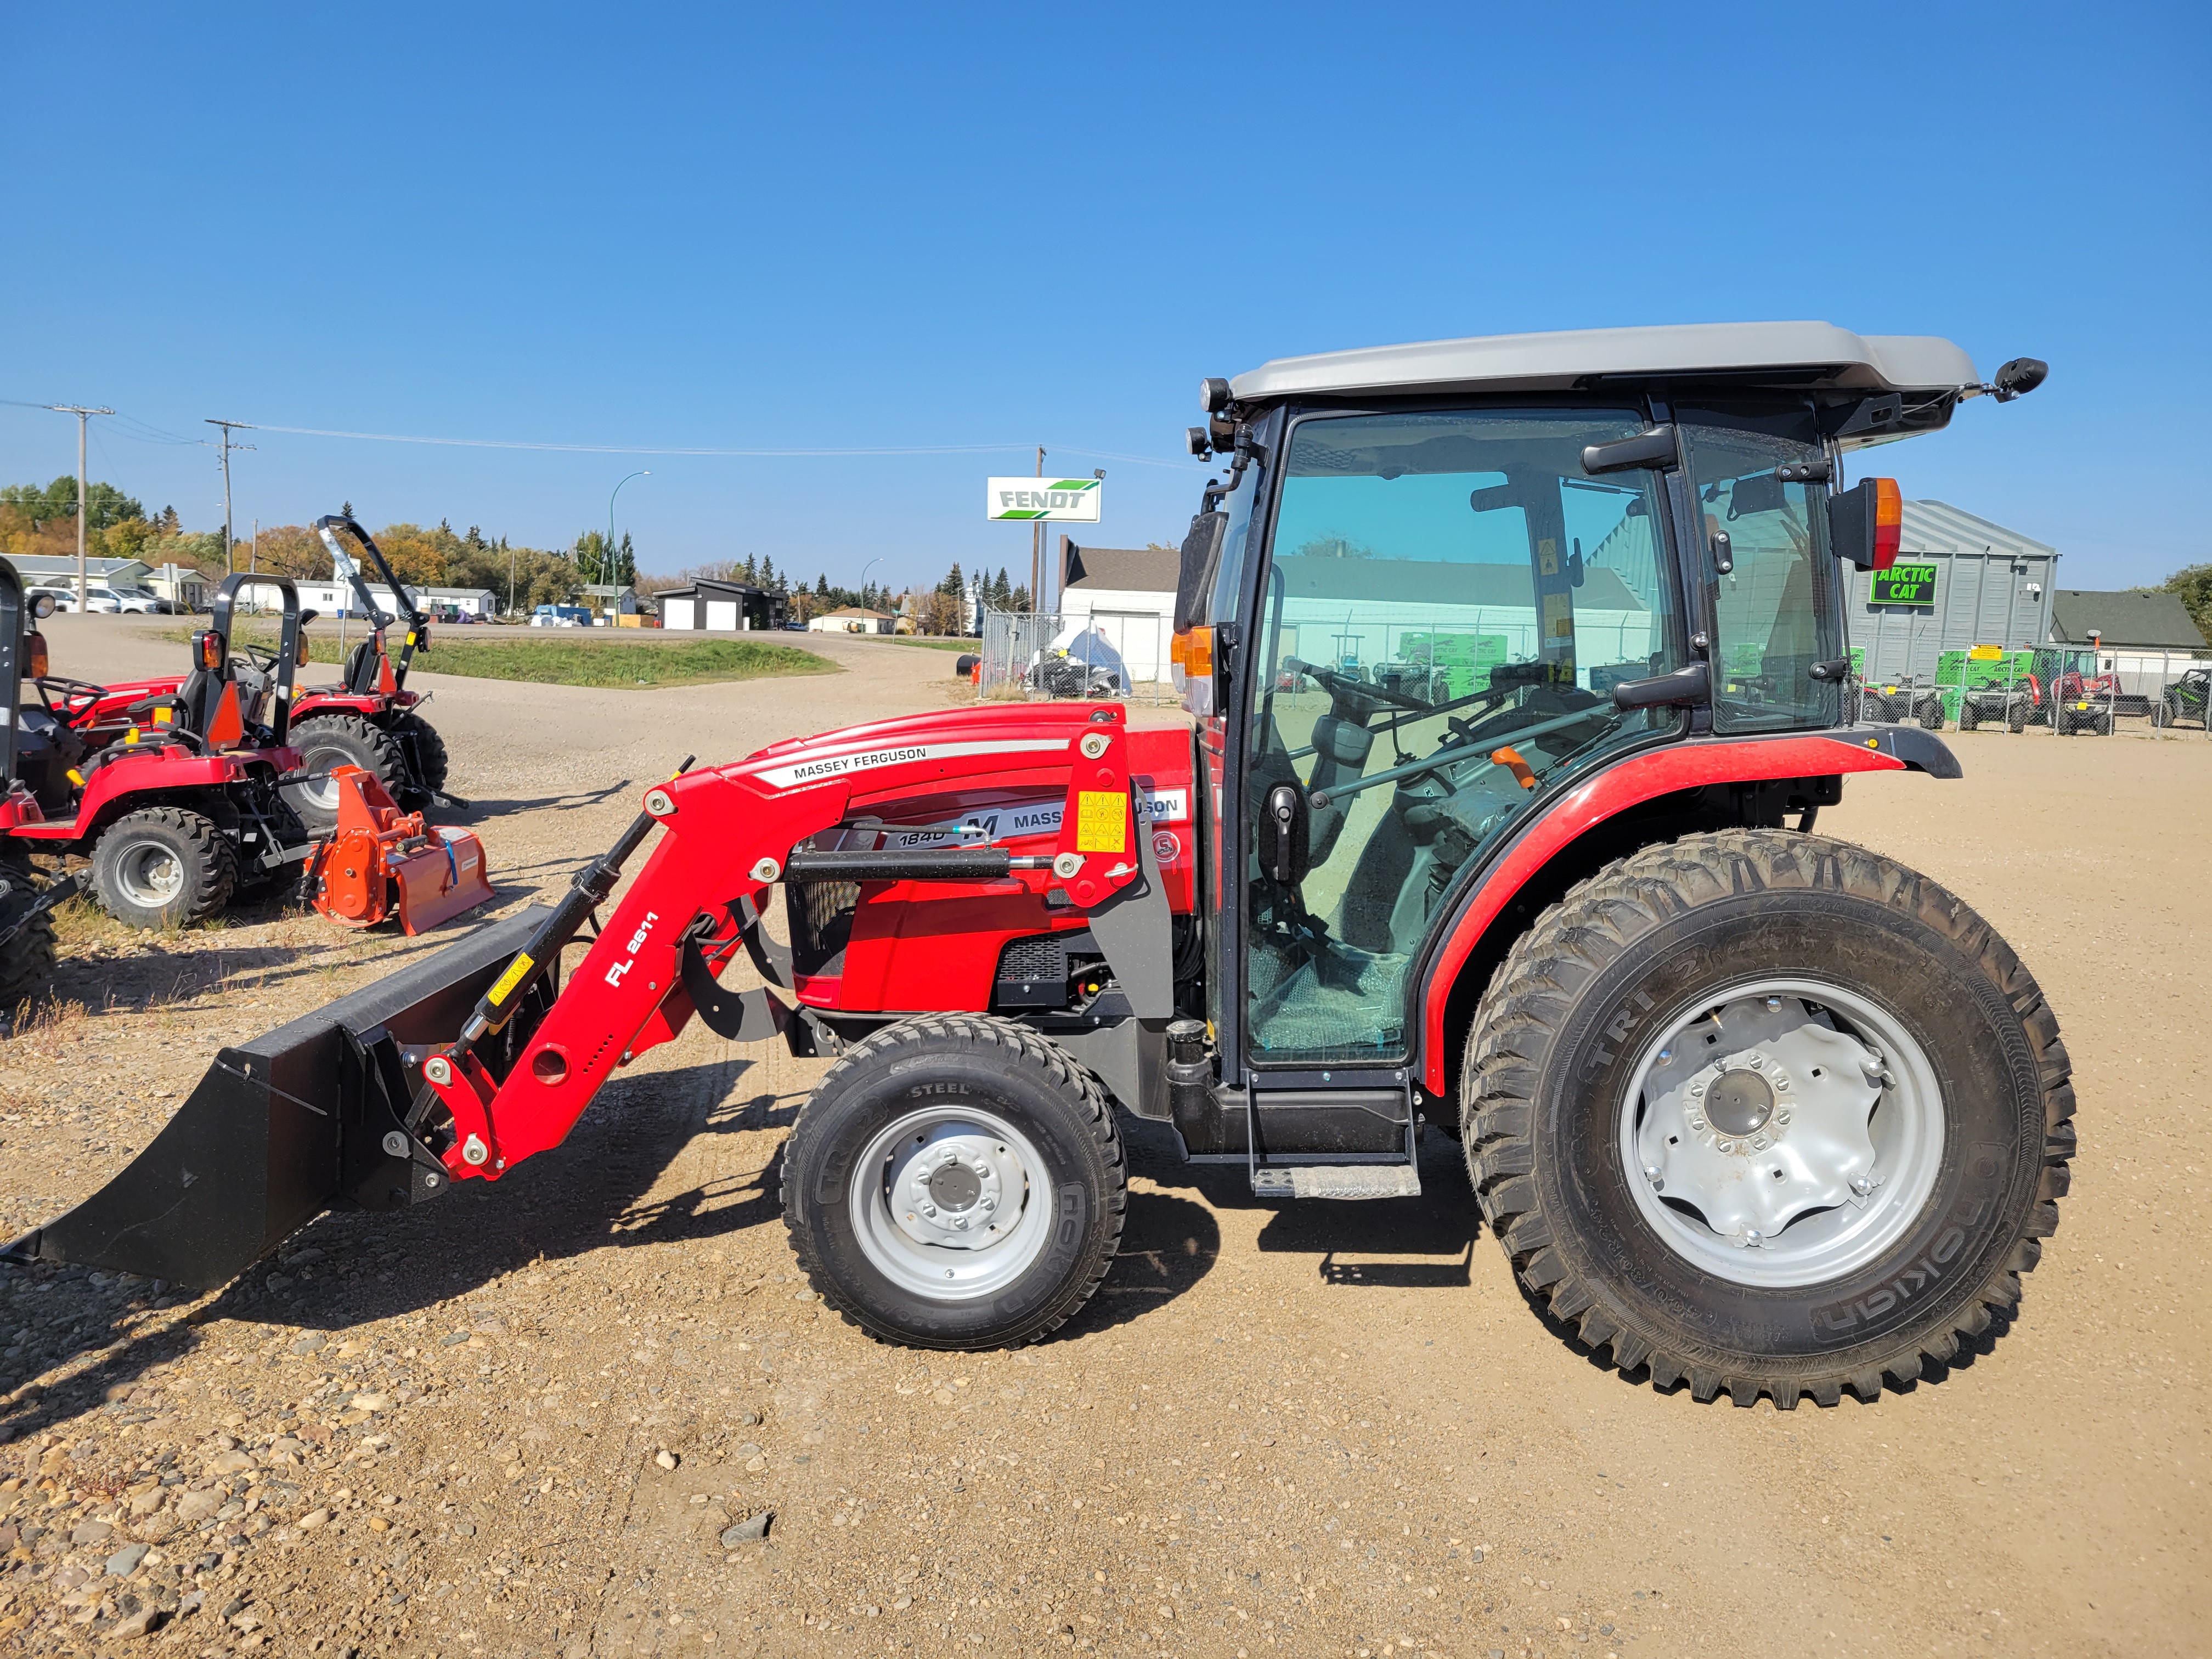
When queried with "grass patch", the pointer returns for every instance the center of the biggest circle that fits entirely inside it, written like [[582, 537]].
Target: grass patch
[[570, 657], [619, 664], [924, 643]]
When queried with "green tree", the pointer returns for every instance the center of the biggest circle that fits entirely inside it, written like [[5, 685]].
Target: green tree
[[2192, 585], [110, 505], [954, 584]]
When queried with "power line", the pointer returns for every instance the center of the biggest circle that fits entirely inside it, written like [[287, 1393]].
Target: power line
[[643, 449]]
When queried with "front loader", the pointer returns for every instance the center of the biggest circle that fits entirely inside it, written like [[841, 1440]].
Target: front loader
[[1750, 1108]]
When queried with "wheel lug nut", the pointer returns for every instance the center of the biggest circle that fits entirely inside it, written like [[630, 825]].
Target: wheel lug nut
[[1696, 1089], [1728, 1145], [1862, 1185]]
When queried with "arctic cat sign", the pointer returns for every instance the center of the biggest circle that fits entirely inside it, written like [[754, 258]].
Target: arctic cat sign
[[1904, 584], [1065, 500]]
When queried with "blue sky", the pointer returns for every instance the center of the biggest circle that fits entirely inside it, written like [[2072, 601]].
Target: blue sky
[[729, 227]]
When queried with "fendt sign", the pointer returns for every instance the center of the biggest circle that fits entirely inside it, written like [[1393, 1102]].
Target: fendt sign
[[1063, 500]]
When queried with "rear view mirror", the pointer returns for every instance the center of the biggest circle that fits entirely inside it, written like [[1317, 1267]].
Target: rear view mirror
[[43, 607], [1866, 523], [1759, 492], [306, 616]]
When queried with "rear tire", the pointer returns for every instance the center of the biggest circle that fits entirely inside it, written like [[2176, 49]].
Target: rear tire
[[1964, 1148], [1931, 715], [1969, 719], [1036, 1159], [431, 760], [27, 961], [162, 867], [329, 740]]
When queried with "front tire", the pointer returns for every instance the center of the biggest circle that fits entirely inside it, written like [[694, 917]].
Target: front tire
[[27, 960], [162, 867], [1873, 1116], [955, 1181]]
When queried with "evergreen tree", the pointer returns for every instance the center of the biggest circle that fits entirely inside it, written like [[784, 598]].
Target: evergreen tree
[[822, 587], [1002, 595], [768, 573], [954, 584]]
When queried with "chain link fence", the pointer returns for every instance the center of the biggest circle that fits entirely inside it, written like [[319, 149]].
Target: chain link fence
[[1036, 656], [2062, 689]]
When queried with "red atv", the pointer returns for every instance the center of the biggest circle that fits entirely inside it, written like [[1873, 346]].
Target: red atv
[[179, 806], [367, 719]]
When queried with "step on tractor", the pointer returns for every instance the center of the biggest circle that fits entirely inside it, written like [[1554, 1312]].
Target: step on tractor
[[179, 806], [1749, 1108]]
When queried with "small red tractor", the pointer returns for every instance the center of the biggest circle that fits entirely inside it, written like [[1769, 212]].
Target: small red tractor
[[1749, 1108], [369, 719], [179, 806]]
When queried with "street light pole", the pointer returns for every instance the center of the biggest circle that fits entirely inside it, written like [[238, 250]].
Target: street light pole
[[607, 565], [864, 569]]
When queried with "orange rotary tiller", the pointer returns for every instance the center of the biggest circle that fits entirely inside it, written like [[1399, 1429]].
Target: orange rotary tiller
[[379, 859]]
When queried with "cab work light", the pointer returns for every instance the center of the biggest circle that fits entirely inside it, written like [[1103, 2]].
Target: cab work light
[[1866, 523]]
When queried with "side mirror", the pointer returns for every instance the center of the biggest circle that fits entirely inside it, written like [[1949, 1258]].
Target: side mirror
[[1866, 523], [2019, 377], [1283, 834], [306, 616], [43, 607], [1201, 554]]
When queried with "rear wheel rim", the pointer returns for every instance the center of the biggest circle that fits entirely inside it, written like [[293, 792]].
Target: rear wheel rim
[[952, 1204], [1793, 1149], [150, 874], [322, 792]]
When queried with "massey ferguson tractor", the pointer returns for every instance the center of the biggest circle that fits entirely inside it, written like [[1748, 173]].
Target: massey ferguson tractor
[[1749, 1107], [369, 718]]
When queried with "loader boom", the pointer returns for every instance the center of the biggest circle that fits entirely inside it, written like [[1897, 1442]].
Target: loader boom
[[729, 834]]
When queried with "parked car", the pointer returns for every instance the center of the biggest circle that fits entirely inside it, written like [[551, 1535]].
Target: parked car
[[561, 615]]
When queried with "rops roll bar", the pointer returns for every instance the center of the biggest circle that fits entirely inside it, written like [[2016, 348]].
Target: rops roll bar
[[418, 620], [288, 649]]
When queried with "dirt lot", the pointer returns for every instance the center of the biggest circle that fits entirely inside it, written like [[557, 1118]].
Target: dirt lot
[[1312, 1431]]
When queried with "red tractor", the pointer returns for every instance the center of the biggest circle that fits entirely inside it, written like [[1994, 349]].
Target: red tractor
[[369, 719], [1749, 1107], [179, 806]]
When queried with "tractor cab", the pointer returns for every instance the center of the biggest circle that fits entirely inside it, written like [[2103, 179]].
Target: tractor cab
[[1569, 552]]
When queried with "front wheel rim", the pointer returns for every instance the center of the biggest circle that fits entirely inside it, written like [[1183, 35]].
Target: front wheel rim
[[1788, 1131], [952, 1204], [151, 875]]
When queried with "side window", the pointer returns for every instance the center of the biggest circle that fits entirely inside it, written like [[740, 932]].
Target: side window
[[1775, 610], [1449, 601]]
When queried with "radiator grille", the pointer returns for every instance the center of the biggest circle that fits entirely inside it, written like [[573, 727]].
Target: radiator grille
[[820, 914]]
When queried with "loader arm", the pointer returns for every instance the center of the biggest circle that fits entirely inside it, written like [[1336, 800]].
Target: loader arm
[[728, 834]]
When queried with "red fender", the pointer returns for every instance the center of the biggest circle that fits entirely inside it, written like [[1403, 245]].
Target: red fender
[[1611, 792]]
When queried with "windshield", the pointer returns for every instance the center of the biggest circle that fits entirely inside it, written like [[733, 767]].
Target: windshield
[[1448, 602]]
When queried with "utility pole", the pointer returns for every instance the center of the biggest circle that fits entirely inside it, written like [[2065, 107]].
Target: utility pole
[[229, 559], [1037, 553], [82, 414]]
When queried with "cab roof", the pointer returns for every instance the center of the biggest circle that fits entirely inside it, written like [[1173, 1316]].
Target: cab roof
[[1799, 356]]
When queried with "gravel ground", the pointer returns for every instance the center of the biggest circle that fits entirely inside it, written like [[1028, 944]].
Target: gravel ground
[[597, 1410]]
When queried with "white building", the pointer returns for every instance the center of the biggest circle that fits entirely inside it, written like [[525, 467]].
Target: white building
[[852, 619], [329, 598], [1129, 595]]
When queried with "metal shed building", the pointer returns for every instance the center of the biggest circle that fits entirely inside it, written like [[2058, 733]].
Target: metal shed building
[[1986, 585]]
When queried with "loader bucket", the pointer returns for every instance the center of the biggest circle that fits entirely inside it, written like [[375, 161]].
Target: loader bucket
[[307, 1116]]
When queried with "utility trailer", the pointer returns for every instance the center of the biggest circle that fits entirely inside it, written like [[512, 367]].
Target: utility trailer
[[1749, 1107]]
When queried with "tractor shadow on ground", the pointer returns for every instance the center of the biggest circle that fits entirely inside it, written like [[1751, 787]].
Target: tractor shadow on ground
[[1168, 1244], [1443, 1221], [596, 1189], [479, 812]]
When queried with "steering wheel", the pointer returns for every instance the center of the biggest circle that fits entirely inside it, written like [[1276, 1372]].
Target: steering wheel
[[71, 691], [1337, 682]]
